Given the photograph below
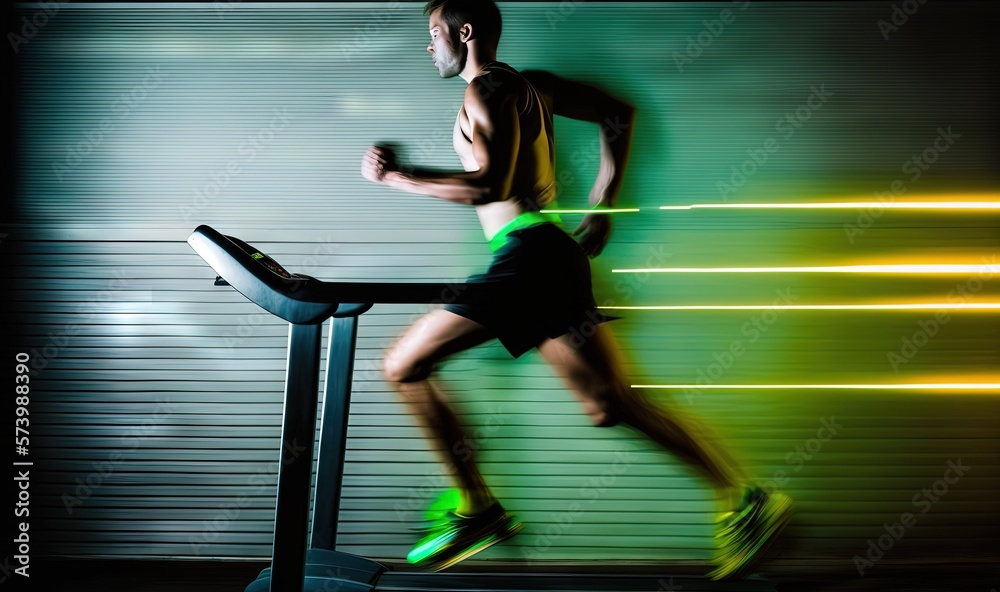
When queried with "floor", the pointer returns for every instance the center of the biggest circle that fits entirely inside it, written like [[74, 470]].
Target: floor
[[81, 575]]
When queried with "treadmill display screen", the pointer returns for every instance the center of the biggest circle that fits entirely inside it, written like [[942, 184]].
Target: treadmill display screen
[[270, 264], [261, 258]]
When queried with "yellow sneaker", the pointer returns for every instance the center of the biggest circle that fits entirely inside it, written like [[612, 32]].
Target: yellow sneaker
[[743, 537]]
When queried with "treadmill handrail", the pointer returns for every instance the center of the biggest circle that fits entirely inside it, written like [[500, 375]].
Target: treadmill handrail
[[306, 300]]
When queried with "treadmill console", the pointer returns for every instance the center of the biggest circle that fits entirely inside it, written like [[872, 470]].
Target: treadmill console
[[261, 258]]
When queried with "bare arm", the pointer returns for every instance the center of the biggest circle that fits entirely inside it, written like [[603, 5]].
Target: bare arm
[[577, 100], [495, 137]]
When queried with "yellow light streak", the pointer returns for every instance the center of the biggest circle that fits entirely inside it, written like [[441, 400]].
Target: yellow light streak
[[918, 268], [908, 306], [904, 386], [849, 205]]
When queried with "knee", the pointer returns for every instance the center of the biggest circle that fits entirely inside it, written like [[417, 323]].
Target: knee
[[605, 419], [604, 413], [398, 369], [615, 403]]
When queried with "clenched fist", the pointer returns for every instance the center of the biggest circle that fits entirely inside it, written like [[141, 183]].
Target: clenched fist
[[378, 161], [593, 233]]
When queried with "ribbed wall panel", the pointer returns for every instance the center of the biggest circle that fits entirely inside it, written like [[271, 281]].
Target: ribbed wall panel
[[184, 379]]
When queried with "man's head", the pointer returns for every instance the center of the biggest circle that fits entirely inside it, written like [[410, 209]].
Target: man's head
[[458, 26]]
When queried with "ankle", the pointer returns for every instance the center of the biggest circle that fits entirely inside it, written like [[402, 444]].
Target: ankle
[[731, 497], [470, 505]]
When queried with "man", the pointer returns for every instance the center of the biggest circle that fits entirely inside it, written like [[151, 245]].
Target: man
[[504, 138]]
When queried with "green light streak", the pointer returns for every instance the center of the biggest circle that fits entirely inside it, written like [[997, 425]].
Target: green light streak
[[917, 269], [598, 211], [940, 386], [917, 306], [848, 205]]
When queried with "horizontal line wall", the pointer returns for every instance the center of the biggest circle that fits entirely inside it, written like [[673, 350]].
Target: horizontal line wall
[[161, 393]]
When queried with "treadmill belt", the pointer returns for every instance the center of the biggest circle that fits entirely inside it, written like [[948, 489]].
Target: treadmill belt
[[505, 582]]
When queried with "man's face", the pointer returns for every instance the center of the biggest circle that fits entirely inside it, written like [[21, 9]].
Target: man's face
[[448, 52]]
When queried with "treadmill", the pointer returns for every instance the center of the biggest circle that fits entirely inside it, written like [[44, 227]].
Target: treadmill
[[306, 303]]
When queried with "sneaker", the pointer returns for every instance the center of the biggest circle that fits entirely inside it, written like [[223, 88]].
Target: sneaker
[[744, 536], [454, 537]]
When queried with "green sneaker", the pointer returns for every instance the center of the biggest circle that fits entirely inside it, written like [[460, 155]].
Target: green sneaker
[[744, 536], [454, 537]]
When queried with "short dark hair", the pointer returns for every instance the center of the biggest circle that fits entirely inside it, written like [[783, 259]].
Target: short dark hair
[[483, 15]]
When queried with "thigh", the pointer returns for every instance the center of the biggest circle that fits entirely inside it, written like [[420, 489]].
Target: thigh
[[432, 338], [592, 369]]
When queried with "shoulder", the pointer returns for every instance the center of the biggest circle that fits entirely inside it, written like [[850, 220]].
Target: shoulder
[[493, 89], [543, 82], [539, 78]]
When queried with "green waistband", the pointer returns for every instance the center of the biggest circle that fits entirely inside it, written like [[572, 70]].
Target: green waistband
[[523, 220]]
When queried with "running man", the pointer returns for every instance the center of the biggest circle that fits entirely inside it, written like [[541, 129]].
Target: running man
[[504, 139]]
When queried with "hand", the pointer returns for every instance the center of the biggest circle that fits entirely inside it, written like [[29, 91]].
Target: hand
[[594, 231], [378, 161]]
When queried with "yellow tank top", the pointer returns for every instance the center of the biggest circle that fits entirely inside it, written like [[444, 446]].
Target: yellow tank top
[[534, 183]]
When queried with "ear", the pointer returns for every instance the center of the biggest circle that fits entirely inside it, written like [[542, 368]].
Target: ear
[[465, 33]]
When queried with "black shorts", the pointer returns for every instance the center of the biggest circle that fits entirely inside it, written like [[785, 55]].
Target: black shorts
[[544, 277]]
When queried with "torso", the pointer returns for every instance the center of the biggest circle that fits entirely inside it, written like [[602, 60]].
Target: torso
[[533, 186]]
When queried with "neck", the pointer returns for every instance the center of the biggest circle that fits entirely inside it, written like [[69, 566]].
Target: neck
[[475, 63]]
